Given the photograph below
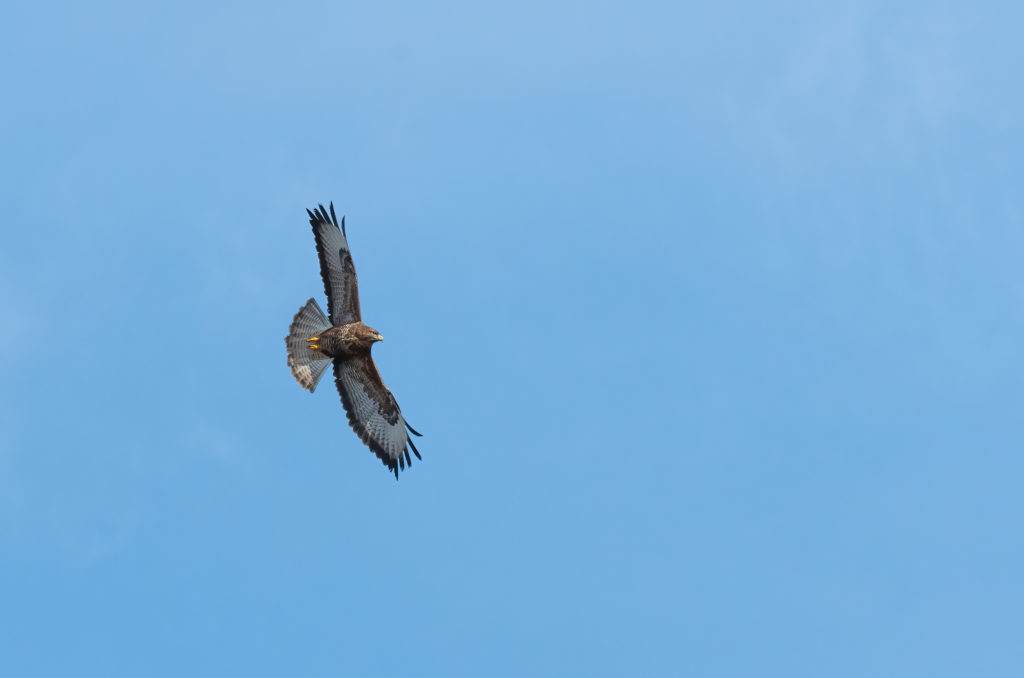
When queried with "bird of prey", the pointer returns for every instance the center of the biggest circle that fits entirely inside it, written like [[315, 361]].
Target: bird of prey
[[314, 342]]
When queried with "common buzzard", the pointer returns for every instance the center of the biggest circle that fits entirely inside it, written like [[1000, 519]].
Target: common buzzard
[[314, 342]]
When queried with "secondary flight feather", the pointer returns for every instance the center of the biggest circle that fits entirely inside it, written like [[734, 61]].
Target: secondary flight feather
[[342, 340]]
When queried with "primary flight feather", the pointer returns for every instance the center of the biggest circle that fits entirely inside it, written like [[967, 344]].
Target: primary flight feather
[[342, 340]]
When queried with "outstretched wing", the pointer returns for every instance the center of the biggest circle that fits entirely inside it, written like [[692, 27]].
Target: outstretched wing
[[373, 412], [336, 267]]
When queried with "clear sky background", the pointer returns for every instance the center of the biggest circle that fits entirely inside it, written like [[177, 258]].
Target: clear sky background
[[710, 313]]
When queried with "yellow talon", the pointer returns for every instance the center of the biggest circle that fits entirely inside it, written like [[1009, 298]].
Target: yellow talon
[[313, 339], [314, 346]]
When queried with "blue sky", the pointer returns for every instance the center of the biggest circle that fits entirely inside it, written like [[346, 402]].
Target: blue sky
[[710, 315]]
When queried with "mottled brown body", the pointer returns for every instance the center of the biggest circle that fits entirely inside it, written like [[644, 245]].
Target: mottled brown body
[[347, 341]]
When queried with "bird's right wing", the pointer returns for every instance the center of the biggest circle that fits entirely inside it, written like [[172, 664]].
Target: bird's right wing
[[336, 267], [373, 412]]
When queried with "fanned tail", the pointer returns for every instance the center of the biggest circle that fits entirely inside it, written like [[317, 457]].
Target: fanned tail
[[307, 364]]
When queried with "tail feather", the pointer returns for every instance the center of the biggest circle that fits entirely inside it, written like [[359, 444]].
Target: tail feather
[[307, 364]]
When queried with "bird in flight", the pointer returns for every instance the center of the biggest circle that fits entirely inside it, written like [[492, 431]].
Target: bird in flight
[[314, 342]]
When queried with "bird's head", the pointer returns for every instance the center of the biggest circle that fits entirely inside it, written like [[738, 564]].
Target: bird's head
[[371, 335]]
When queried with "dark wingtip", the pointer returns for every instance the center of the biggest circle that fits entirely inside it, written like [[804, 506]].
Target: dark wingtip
[[394, 467], [318, 215], [334, 217], [414, 431], [343, 226], [414, 450], [314, 215]]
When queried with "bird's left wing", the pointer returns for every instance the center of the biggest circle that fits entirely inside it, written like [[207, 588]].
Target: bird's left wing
[[373, 412], [336, 267]]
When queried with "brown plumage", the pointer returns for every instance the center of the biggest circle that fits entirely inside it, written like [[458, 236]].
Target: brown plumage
[[344, 341], [348, 340]]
